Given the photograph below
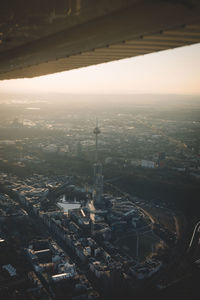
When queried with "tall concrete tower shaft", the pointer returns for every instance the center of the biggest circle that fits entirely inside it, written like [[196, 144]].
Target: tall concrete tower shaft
[[98, 177]]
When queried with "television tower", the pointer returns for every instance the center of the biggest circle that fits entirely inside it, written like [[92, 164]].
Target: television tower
[[98, 177]]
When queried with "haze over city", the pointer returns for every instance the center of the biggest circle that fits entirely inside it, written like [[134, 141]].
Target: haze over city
[[100, 180]]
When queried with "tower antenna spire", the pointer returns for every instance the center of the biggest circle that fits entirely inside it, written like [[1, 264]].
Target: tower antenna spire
[[96, 132]]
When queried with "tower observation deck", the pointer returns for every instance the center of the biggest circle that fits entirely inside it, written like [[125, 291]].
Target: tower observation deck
[[98, 177]]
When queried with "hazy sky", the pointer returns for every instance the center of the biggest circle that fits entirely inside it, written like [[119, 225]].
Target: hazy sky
[[171, 71]]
